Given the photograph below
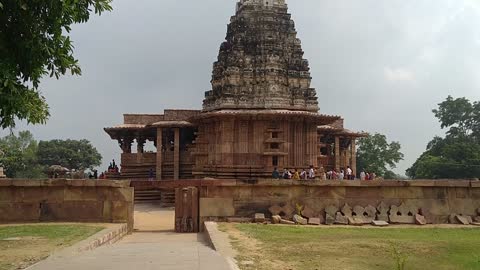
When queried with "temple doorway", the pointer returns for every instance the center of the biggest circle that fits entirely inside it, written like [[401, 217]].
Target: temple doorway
[[153, 217]]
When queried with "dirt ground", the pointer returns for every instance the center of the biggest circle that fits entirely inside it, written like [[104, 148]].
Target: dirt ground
[[151, 217]]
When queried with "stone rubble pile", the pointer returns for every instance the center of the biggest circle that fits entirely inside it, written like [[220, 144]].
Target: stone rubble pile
[[382, 215]]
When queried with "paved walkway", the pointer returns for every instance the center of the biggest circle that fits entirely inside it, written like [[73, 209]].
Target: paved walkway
[[152, 247]]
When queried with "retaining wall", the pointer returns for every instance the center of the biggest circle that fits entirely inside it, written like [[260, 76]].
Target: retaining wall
[[245, 198], [61, 200]]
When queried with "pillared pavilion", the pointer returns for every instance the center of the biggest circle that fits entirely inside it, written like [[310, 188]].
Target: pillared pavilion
[[261, 112]]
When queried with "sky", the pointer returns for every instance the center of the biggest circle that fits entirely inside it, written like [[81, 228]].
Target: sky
[[382, 65]]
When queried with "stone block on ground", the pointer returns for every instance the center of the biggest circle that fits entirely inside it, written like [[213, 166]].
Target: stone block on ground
[[329, 220], [347, 210], [380, 223], [476, 219], [300, 220], [462, 220], [276, 219], [402, 219], [452, 219], [314, 221], [428, 215], [353, 221], [382, 217], [470, 219], [308, 212], [259, 218], [476, 223], [331, 210], [341, 219], [371, 212], [288, 222], [382, 212], [420, 220]]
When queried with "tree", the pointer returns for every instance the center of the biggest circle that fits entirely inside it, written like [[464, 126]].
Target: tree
[[376, 155], [458, 154], [34, 42], [19, 156], [461, 116], [71, 154]]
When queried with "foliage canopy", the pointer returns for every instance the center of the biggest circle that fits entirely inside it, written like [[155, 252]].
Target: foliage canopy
[[23, 157], [71, 154], [458, 154], [34, 42], [18, 156], [376, 155]]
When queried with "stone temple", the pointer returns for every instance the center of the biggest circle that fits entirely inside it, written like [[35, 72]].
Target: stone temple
[[260, 113]]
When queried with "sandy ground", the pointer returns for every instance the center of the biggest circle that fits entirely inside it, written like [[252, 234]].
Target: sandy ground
[[151, 217]]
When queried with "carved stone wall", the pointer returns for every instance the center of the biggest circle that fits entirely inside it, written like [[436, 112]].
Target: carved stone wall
[[249, 148], [397, 200], [260, 65]]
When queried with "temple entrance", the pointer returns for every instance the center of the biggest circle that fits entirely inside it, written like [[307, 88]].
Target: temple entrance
[[166, 206], [153, 217]]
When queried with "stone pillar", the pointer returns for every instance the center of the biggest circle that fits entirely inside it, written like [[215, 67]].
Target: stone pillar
[[140, 144], [159, 153], [125, 145], [337, 153], [176, 155], [353, 154]]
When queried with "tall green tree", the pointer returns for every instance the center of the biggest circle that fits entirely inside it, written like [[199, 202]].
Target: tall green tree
[[35, 42], [458, 154], [376, 155], [19, 156], [72, 154]]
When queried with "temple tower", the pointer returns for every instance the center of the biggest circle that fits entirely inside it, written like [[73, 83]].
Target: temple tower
[[260, 65], [261, 112]]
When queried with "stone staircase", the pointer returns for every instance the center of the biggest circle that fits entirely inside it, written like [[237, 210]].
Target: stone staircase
[[165, 197]]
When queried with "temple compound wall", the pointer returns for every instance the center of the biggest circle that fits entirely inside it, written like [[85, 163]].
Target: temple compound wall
[[60, 200], [395, 201]]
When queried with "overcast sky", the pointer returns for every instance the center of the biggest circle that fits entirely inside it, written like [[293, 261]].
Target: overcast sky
[[382, 65]]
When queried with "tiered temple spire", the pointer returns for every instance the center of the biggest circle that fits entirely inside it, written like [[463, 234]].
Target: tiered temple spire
[[260, 65]]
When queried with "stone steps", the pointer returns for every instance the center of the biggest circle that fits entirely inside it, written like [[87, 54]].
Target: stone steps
[[166, 197]]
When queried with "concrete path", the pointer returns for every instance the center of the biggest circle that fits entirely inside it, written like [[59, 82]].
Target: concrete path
[[153, 248]]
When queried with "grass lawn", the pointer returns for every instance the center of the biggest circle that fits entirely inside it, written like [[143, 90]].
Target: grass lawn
[[296, 247], [24, 245]]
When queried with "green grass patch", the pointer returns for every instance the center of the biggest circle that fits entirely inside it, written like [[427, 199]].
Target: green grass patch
[[26, 244], [366, 248]]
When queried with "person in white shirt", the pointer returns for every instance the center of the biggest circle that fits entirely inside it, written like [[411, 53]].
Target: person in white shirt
[[311, 173], [350, 174], [341, 175], [363, 175]]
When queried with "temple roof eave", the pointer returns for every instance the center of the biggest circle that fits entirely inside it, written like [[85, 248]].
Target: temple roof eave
[[172, 124], [124, 130], [321, 118], [341, 131]]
